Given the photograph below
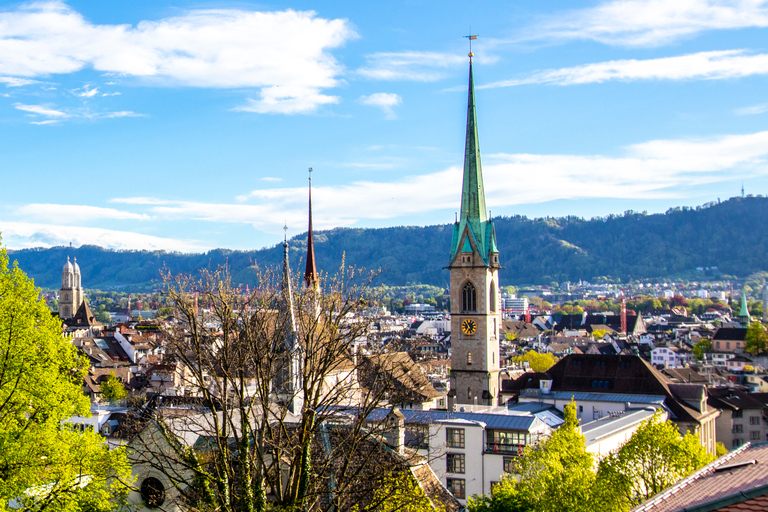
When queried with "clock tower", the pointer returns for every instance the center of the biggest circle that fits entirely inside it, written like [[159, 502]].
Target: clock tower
[[474, 266]]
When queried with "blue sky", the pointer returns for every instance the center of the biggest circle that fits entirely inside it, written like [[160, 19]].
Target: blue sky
[[190, 125]]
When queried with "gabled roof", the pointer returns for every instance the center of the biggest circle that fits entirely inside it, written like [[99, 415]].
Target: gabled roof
[[730, 333], [733, 399], [739, 477], [616, 374]]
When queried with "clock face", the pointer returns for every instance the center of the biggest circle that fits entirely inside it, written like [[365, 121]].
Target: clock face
[[469, 326]]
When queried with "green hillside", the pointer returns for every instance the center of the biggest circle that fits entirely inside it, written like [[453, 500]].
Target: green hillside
[[732, 236]]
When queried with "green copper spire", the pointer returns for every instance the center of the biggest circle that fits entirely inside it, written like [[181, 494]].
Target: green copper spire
[[473, 211], [744, 313]]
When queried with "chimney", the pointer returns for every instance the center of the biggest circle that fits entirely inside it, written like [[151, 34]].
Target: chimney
[[394, 435]]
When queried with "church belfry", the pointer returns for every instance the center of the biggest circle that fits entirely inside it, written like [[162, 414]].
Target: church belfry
[[71, 292], [474, 265]]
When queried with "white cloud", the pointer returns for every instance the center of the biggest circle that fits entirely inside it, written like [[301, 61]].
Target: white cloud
[[113, 115], [46, 122], [271, 178], [86, 92], [12, 81], [752, 110], [654, 169], [285, 54], [112, 94], [21, 235], [702, 66], [74, 213], [412, 65], [41, 110], [651, 22], [383, 100]]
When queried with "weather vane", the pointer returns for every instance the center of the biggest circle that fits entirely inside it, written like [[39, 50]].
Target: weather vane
[[471, 38]]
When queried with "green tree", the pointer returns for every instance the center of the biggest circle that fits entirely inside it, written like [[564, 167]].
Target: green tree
[[112, 389], [555, 475], [655, 457], [599, 334], [43, 459], [756, 339], [536, 361], [701, 347]]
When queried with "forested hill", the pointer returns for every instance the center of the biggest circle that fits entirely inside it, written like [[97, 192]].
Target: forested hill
[[732, 236]]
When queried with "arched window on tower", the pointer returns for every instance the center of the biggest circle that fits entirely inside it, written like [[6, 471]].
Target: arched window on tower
[[493, 297], [469, 357], [468, 298]]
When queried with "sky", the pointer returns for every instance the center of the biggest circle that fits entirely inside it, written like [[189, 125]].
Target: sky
[[191, 125]]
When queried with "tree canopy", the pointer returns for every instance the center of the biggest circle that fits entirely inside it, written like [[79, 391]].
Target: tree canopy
[[756, 339], [538, 362], [558, 475], [46, 463]]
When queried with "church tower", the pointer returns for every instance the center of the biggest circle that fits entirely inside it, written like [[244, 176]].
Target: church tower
[[474, 266], [71, 292]]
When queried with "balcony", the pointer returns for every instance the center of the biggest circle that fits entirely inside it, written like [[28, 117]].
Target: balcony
[[505, 449]]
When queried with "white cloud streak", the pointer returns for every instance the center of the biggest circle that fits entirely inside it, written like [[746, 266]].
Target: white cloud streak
[[284, 54], [12, 81], [650, 22], [654, 169], [411, 65], [75, 214], [650, 170], [715, 65], [21, 235], [41, 110], [386, 101], [752, 110]]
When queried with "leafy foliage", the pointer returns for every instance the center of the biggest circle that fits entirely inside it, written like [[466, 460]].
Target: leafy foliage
[[701, 347], [44, 462], [556, 475], [655, 457], [756, 339], [538, 362], [112, 390], [559, 474]]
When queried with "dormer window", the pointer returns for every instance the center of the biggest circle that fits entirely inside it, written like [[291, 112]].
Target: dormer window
[[468, 298]]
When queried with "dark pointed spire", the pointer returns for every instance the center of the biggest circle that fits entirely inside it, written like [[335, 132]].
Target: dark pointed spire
[[310, 274], [287, 296]]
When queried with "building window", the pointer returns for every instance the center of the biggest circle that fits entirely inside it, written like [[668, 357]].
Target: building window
[[736, 443], [469, 393], [509, 464], [152, 492], [737, 414], [737, 429], [469, 357], [754, 435], [493, 297], [455, 463], [468, 298], [754, 420], [456, 487], [454, 437], [727, 345], [500, 441]]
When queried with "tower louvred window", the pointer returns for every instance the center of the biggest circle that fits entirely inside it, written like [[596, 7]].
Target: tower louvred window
[[468, 298]]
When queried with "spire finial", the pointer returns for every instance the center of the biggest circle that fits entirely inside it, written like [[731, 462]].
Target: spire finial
[[471, 38], [285, 233]]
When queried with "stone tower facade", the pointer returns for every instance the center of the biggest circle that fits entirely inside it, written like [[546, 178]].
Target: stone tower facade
[[71, 292], [474, 266]]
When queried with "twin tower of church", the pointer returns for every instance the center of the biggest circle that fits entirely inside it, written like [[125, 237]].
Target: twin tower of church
[[474, 267]]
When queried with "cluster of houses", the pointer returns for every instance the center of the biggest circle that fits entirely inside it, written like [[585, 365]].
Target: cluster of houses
[[464, 409]]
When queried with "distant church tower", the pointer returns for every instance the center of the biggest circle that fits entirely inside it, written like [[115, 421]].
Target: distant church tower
[[474, 266], [71, 292]]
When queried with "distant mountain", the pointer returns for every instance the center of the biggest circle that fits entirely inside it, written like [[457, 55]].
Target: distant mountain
[[732, 236]]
